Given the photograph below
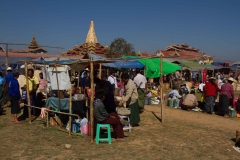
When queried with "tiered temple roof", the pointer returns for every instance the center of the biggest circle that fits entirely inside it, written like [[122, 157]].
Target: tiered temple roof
[[91, 45], [34, 47]]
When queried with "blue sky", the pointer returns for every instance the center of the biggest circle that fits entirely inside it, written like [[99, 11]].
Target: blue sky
[[213, 26]]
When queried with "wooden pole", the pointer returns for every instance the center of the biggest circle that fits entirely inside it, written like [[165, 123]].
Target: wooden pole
[[54, 111], [28, 94], [91, 101], [78, 79], [161, 82], [70, 112], [59, 104], [6, 56], [100, 71]]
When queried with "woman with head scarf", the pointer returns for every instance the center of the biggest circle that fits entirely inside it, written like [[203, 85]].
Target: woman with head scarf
[[226, 95]]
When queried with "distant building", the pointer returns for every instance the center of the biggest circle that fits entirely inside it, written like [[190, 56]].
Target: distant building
[[186, 52], [33, 47], [91, 45], [1, 49]]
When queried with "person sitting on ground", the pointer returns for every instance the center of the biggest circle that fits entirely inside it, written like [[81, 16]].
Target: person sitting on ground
[[14, 93], [174, 93], [190, 101], [103, 117]]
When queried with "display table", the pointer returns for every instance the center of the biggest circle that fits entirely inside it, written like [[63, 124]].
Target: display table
[[76, 104]]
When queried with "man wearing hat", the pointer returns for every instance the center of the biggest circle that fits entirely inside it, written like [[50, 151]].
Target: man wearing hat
[[226, 97], [8, 78]]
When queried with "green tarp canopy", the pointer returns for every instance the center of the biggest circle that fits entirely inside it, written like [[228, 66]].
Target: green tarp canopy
[[152, 66], [191, 64]]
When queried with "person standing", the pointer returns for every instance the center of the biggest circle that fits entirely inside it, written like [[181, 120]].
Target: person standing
[[85, 83], [210, 89], [8, 77], [14, 93], [131, 97], [226, 95], [33, 85], [113, 80], [1, 87], [1, 92], [42, 83], [141, 84]]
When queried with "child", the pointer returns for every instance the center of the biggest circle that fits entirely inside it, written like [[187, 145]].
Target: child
[[42, 83]]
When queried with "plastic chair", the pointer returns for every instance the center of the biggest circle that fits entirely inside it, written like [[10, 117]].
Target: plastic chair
[[128, 127], [98, 139]]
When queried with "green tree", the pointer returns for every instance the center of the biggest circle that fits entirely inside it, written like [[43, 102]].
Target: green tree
[[120, 47]]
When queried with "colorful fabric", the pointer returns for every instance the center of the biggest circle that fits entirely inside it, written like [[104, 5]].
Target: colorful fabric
[[209, 104], [223, 104], [134, 116], [227, 89]]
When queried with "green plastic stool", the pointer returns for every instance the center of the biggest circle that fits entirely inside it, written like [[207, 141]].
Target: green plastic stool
[[98, 133]]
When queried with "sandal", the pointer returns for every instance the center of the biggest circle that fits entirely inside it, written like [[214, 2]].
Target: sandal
[[18, 122], [120, 139], [226, 116]]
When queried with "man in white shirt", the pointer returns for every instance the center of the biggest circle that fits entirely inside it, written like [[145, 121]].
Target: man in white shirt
[[113, 80], [141, 84], [200, 87]]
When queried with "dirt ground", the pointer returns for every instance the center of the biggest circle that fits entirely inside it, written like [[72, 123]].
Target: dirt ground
[[184, 135]]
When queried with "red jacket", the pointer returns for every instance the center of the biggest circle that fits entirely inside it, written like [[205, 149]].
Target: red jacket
[[211, 89]]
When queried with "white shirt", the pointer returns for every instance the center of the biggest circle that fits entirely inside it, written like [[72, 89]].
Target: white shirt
[[140, 81], [113, 80], [200, 87], [175, 94]]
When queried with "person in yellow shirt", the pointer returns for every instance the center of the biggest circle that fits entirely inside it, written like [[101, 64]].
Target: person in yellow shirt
[[33, 84]]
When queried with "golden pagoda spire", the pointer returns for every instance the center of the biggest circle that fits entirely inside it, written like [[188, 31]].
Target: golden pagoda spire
[[33, 44], [91, 36]]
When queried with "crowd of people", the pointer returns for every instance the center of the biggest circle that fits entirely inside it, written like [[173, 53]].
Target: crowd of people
[[216, 91], [133, 89]]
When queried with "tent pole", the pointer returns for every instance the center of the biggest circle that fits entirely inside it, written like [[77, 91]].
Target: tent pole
[[162, 98], [6, 56], [70, 112], [78, 79], [91, 100], [100, 71], [28, 94], [59, 104]]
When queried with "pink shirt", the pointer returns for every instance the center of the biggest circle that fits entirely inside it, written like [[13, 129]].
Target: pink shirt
[[42, 84]]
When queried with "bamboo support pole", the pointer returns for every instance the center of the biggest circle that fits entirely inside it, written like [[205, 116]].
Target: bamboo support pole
[[54, 111], [162, 98], [78, 79], [70, 112], [100, 71], [59, 104], [6, 56], [91, 101], [28, 94], [86, 103]]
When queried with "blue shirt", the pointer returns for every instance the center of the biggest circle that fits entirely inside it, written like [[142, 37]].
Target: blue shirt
[[86, 82], [13, 88], [1, 81], [8, 77]]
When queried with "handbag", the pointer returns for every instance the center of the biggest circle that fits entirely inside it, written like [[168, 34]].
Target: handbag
[[123, 111]]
